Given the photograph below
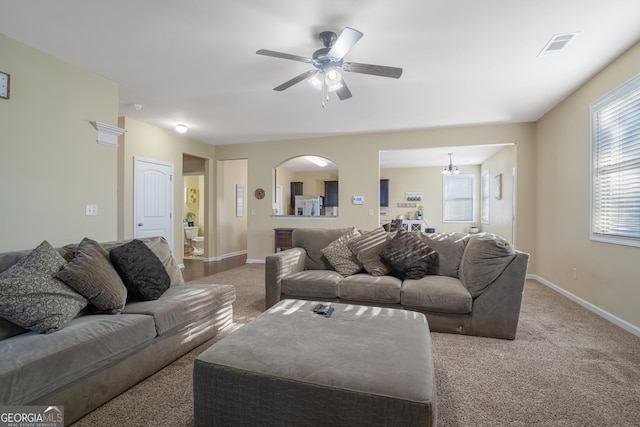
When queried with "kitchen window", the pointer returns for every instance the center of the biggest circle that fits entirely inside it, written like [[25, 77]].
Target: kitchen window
[[615, 166]]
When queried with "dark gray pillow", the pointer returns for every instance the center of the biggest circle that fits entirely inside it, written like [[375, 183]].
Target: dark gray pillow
[[141, 271], [91, 273], [450, 247], [367, 248], [408, 255], [32, 298]]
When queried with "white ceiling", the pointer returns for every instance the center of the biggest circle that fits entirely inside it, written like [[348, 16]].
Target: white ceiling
[[194, 62]]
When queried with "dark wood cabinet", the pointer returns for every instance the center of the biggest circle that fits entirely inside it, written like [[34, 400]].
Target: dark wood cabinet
[[331, 193], [296, 190], [384, 192], [283, 238]]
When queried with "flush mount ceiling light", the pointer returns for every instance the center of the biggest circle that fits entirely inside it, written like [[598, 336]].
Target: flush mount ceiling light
[[317, 160], [328, 62], [181, 128], [450, 170]]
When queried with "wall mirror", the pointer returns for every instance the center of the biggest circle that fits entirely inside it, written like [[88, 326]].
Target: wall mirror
[[306, 186]]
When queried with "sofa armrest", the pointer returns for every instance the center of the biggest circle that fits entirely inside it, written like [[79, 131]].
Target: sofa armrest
[[279, 265], [496, 311]]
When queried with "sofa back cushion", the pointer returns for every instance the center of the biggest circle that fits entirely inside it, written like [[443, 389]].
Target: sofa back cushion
[[485, 258], [450, 248], [313, 240]]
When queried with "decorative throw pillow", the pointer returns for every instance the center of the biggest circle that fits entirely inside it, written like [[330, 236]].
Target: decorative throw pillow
[[450, 247], [31, 296], [340, 256], [141, 271], [367, 248], [91, 273], [485, 258], [409, 256]]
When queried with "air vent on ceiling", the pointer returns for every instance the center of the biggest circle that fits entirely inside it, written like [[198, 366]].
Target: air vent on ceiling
[[556, 44]]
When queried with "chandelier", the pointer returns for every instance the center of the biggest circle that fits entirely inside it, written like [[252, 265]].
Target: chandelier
[[450, 170]]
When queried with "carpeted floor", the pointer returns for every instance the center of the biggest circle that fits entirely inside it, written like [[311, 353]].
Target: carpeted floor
[[566, 367]]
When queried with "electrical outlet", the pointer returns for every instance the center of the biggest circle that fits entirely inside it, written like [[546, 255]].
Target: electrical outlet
[[91, 210], [370, 212], [574, 273]]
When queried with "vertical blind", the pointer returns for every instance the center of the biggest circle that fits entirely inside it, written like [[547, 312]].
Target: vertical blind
[[615, 141]]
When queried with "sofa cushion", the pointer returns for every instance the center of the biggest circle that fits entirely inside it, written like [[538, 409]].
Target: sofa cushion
[[33, 365], [312, 283], [366, 288], [313, 240], [160, 247], [450, 247], [183, 305], [341, 258], [441, 294], [91, 273], [408, 255], [485, 258], [30, 295], [141, 271], [368, 247]]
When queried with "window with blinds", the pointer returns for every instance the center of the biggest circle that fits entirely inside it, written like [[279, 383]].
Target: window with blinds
[[458, 198], [615, 165]]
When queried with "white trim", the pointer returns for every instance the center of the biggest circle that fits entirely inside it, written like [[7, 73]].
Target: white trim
[[597, 310], [107, 134], [224, 256], [255, 261]]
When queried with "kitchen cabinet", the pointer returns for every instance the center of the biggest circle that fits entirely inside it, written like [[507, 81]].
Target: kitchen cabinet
[[296, 190], [331, 193], [384, 192]]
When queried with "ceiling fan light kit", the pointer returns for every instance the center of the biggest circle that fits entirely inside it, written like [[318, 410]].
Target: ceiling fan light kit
[[328, 62]]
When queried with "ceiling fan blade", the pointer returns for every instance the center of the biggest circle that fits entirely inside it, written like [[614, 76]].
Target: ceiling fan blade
[[376, 70], [295, 80], [348, 37], [343, 92], [283, 55]]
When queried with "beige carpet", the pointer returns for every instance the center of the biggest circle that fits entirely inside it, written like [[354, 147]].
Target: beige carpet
[[566, 367]]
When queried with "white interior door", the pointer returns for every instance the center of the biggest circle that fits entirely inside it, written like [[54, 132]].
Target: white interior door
[[153, 199]]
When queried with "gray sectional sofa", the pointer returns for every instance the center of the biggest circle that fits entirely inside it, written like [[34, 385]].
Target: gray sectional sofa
[[473, 285], [97, 355]]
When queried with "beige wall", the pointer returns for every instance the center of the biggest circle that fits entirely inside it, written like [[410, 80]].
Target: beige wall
[[500, 211], [232, 229], [150, 142], [608, 274], [363, 178], [50, 163]]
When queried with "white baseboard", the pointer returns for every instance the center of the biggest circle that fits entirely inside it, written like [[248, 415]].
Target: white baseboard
[[586, 304], [255, 261], [225, 256]]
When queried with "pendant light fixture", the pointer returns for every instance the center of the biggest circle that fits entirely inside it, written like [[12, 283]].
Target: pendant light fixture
[[450, 170]]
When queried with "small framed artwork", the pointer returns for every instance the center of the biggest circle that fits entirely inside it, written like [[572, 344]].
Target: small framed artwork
[[190, 195], [498, 186], [239, 200]]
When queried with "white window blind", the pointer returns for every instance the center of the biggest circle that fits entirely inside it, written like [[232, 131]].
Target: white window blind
[[615, 150], [458, 198]]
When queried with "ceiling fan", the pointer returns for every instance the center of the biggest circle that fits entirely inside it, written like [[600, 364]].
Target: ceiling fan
[[328, 62]]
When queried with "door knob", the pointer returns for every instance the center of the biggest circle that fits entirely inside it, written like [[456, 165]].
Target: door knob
[[140, 224]]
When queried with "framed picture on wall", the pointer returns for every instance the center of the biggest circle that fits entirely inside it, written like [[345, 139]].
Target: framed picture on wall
[[498, 186], [239, 200]]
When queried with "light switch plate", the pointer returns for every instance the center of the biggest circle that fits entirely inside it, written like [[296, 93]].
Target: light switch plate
[[91, 210], [4, 85]]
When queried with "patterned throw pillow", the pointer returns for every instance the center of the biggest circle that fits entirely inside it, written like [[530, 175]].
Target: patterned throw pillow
[[367, 248], [91, 274], [340, 256], [409, 256], [30, 295], [141, 271]]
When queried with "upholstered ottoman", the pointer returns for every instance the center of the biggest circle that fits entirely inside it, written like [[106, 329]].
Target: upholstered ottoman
[[290, 366]]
